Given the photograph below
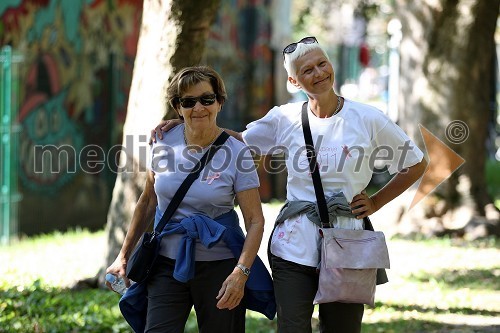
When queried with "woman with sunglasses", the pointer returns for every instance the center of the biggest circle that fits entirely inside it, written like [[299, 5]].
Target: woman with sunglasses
[[204, 225], [347, 137]]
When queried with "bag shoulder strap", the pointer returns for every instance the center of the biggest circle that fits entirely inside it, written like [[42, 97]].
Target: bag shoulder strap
[[186, 184], [313, 166]]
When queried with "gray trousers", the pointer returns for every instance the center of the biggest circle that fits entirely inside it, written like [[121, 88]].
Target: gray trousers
[[295, 286], [170, 301]]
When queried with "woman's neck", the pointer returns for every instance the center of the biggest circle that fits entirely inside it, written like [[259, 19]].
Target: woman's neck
[[324, 106], [202, 138]]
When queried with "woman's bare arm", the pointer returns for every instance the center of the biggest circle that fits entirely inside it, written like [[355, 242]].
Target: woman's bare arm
[[363, 205], [233, 288], [141, 218]]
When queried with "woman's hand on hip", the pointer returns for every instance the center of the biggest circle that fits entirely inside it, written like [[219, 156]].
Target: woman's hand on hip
[[362, 205], [232, 291]]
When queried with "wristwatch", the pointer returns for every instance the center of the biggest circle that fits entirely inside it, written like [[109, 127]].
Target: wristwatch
[[244, 269]]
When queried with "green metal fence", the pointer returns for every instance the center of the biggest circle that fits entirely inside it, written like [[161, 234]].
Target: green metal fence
[[9, 142]]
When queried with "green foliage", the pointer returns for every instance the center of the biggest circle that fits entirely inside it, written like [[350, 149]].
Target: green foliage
[[493, 180], [319, 17], [439, 285], [461, 278], [41, 308]]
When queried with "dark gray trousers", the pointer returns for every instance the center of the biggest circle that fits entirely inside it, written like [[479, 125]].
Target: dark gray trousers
[[170, 301], [295, 286]]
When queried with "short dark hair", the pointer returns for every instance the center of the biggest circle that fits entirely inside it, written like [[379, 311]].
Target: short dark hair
[[190, 76]]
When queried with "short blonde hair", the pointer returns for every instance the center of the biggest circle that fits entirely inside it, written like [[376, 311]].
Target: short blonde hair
[[302, 49]]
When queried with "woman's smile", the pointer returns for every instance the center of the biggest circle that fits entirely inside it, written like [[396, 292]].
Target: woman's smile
[[326, 79], [199, 116]]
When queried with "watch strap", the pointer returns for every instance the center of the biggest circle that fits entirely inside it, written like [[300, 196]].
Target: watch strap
[[244, 269]]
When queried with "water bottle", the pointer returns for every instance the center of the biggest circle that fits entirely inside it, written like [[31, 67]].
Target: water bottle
[[117, 283]]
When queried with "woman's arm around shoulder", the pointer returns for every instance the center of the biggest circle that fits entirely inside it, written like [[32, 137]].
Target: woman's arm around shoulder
[[163, 127]]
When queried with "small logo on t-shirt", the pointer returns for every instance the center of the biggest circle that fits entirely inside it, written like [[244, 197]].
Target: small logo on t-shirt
[[210, 179], [345, 149]]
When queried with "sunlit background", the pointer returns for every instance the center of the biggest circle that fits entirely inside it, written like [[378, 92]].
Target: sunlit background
[[81, 87]]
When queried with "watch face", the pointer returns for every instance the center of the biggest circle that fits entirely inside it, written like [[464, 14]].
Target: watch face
[[244, 269]]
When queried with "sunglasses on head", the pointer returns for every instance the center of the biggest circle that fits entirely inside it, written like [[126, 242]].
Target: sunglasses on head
[[205, 100], [290, 48]]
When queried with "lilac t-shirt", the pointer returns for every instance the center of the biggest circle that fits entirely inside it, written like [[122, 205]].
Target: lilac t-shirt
[[230, 171]]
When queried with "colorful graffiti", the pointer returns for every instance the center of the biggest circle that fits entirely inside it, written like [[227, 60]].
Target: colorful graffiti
[[239, 49], [78, 58], [77, 68], [48, 125]]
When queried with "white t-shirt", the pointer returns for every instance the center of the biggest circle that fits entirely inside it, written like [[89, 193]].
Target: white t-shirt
[[230, 171], [348, 145]]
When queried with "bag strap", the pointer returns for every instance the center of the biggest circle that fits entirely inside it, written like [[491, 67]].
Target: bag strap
[[313, 166], [186, 184], [320, 194]]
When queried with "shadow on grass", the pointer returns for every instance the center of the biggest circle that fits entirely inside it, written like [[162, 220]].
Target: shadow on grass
[[486, 279], [423, 326], [420, 309], [418, 326]]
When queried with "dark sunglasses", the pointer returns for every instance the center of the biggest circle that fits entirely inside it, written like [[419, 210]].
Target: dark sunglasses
[[290, 48], [190, 102]]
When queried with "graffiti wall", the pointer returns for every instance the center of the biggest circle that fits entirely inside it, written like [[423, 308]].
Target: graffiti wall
[[75, 75], [239, 48]]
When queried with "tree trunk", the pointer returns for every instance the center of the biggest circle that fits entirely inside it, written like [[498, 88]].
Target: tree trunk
[[173, 35], [446, 81]]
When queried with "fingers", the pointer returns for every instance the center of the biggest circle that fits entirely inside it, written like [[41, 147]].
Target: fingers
[[221, 291], [157, 132], [152, 137], [109, 286], [162, 127], [159, 129], [361, 205], [358, 201], [229, 301], [118, 268], [360, 196], [229, 296], [361, 212], [127, 281]]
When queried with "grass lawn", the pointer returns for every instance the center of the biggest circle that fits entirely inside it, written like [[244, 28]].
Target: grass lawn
[[435, 286]]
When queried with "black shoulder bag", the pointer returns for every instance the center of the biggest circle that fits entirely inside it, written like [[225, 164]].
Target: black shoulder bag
[[144, 255]]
